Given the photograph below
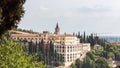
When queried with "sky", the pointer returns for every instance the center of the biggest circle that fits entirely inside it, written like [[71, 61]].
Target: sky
[[91, 16]]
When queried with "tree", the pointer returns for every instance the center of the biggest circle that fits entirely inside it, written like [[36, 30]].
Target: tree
[[91, 40], [88, 63], [78, 35], [90, 55], [42, 46], [111, 55], [117, 56], [78, 63], [73, 34], [101, 63], [11, 12], [13, 56], [84, 37], [72, 65], [30, 47], [51, 49]]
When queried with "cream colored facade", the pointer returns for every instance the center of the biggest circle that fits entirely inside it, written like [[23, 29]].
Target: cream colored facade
[[69, 53], [66, 45], [86, 47], [31, 37]]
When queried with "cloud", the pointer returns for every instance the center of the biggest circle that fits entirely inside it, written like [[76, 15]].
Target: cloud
[[80, 14], [43, 8], [94, 9]]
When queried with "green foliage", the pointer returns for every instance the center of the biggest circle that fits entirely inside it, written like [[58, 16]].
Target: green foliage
[[13, 56], [98, 58], [72, 65], [111, 55], [78, 63], [91, 55], [46, 53], [107, 51], [88, 63], [11, 12], [102, 63], [24, 30]]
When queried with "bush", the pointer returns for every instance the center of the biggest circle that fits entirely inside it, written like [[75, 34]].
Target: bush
[[13, 56]]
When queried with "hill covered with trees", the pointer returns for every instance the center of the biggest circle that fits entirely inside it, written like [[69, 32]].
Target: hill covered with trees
[[98, 58]]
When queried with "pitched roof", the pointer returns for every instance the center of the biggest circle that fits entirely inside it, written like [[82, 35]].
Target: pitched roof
[[57, 25], [24, 35], [65, 35]]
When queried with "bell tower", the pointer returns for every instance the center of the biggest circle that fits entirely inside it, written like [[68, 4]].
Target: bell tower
[[57, 29]]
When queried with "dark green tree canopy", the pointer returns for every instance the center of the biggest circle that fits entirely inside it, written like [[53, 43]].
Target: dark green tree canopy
[[11, 12]]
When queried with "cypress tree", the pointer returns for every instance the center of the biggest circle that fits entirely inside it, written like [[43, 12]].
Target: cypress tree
[[30, 47], [42, 46], [84, 38], [78, 35]]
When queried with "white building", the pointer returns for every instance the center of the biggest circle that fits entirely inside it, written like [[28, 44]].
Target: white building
[[66, 45]]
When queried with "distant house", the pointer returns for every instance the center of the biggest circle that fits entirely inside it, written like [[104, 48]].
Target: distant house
[[86, 47], [97, 46]]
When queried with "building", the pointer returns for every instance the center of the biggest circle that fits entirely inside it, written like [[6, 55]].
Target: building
[[86, 47], [28, 37], [66, 45], [57, 29], [97, 47]]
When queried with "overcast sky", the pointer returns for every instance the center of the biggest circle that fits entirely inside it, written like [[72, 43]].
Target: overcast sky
[[92, 16]]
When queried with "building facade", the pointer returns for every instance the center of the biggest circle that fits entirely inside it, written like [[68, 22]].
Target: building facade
[[67, 46]]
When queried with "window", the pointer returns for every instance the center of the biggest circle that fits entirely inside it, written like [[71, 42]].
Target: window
[[28, 38], [63, 51], [24, 38], [14, 38], [63, 47], [40, 35], [60, 50], [68, 49], [18, 38], [57, 46], [60, 47], [68, 60], [44, 35]]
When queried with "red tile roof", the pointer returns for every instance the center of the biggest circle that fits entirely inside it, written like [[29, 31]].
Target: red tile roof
[[24, 35], [65, 35]]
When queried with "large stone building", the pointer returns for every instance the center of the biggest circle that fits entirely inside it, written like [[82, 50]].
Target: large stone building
[[66, 45]]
